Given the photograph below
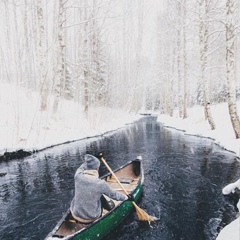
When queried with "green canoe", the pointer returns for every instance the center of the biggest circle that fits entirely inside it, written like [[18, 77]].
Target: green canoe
[[131, 176]]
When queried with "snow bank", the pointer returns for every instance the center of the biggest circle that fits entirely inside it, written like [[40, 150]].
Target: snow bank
[[195, 124], [231, 231], [24, 126], [230, 188]]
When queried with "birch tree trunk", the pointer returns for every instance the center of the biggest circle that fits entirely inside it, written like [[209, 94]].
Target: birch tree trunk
[[137, 92], [85, 59], [27, 66], [230, 66], [60, 68], [126, 52], [130, 70], [171, 93], [17, 50], [42, 57], [203, 33], [179, 62], [33, 49], [8, 43], [185, 82]]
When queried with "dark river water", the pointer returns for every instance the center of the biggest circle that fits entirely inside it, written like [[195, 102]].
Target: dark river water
[[184, 176]]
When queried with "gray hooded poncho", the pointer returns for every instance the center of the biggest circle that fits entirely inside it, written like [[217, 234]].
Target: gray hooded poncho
[[89, 188]]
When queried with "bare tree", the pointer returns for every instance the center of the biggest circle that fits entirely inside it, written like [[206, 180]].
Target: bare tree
[[136, 91], [59, 80], [171, 87], [42, 56], [179, 60], [185, 80], [230, 66], [86, 67], [203, 38]]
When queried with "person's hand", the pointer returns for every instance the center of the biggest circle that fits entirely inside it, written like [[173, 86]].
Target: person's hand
[[100, 155], [130, 197]]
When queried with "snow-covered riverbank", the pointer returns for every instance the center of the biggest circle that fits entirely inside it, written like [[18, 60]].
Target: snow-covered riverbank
[[24, 126], [195, 124]]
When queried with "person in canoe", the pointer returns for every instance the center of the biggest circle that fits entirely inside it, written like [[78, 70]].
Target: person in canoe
[[88, 200]]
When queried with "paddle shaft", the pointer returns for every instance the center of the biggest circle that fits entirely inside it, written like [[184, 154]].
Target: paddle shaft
[[111, 171], [142, 215]]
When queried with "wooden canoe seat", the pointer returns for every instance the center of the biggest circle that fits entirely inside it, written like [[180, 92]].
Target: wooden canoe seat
[[126, 180], [122, 180]]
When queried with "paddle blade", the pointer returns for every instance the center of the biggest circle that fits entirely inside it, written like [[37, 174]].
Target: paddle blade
[[142, 215]]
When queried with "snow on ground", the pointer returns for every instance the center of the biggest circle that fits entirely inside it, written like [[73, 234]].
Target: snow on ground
[[224, 135], [195, 124], [24, 126], [231, 231]]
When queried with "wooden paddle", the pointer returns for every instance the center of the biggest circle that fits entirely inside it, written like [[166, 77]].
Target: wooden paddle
[[142, 215]]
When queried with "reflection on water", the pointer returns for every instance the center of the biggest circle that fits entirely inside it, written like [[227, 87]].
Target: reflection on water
[[184, 176]]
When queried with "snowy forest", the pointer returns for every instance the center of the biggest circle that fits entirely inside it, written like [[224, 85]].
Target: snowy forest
[[136, 56]]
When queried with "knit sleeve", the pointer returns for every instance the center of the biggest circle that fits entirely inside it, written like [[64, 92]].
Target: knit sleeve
[[112, 193]]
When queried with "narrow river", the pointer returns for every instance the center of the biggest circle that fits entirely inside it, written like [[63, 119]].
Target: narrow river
[[184, 176]]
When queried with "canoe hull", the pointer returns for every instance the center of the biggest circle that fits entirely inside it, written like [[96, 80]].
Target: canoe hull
[[104, 225], [109, 222]]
